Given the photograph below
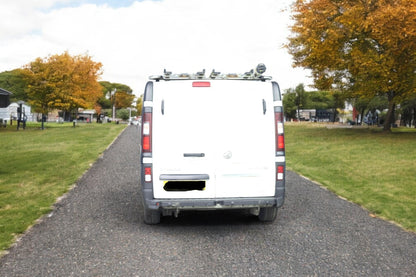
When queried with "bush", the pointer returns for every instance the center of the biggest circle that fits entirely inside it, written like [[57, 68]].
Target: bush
[[123, 114]]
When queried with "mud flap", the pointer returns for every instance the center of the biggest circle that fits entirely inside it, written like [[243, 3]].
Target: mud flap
[[268, 214], [151, 217]]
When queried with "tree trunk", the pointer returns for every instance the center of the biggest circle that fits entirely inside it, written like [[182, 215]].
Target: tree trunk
[[389, 117], [43, 120], [414, 118]]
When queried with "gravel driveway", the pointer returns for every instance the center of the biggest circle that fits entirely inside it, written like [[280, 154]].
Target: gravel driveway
[[98, 230]]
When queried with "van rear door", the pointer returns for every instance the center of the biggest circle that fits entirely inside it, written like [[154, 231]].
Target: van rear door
[[244, 152], [213, 139], [182, 141]]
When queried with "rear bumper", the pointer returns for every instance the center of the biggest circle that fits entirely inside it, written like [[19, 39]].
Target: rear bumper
[[213, 203]]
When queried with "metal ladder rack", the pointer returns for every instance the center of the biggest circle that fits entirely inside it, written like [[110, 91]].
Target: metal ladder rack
[[256, 75]]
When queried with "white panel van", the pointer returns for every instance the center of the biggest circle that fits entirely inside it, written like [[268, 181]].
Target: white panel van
[[212, 142]]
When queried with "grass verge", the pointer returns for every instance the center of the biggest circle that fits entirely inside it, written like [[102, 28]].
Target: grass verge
[[38, 166], [371, 168]]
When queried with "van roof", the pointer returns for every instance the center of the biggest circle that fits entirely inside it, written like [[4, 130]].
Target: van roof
[[253, 75]]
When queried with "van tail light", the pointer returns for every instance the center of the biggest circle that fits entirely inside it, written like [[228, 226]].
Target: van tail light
[[148, 174], [280, 142], [280, 172], [280, 137], [147, 132]]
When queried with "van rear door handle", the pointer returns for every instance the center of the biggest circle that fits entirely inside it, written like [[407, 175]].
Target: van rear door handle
[[198, 155], [184, 177]]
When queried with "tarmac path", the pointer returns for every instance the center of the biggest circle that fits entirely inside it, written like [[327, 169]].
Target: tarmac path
[[97, 229]]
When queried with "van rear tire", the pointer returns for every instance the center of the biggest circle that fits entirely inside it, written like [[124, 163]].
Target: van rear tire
[[268, 214], [151, 217]]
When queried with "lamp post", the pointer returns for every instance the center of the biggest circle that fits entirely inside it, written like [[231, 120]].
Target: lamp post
[[113, 95], [19, 114]]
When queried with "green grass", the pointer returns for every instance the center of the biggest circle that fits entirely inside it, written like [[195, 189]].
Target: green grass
[[374, 169], [38, 166]]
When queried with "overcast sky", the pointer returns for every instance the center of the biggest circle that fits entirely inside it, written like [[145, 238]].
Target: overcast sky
[[135, 39]]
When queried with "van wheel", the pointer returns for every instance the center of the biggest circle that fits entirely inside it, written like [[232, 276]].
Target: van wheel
[[268, 214], [151, 217]]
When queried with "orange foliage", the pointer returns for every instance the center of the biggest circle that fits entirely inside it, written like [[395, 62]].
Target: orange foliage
[[364, 47], [123, 99], [63, 82], [97, 108]]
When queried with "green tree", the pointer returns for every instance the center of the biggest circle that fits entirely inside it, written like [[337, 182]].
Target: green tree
[[108, 87], [124, 114], [297, 99], [14, 81], [408, 112], [361, 105], [289, 104], [123, 97], [104, 102], [301, 98], [326, 100], [363, 48], [320, 100]]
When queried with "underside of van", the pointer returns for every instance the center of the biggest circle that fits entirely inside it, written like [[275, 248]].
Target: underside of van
[[212, 143]]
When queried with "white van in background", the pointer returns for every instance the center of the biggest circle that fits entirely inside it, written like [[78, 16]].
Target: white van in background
[[212, 142]]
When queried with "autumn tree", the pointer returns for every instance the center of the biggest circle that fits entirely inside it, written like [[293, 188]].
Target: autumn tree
[[40, 92], [362, 48], [63, 82], [123, 99], [139, 105]]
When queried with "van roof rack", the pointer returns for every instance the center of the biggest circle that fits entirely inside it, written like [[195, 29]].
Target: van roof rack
[[256, 75]]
